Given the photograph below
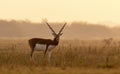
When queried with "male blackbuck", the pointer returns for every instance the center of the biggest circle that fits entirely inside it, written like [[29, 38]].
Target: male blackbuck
[[45, 44]]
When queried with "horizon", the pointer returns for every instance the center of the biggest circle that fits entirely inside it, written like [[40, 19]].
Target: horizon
[[104, 23]]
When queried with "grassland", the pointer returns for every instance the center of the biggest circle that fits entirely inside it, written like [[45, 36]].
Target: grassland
[[70, 57]]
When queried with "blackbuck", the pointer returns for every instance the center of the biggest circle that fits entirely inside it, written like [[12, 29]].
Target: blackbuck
[[45, 44]]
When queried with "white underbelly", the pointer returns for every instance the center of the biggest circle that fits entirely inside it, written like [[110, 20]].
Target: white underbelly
[[51, 47], [42, 47]]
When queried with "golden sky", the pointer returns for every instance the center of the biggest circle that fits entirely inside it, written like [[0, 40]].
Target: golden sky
[[61, 10]]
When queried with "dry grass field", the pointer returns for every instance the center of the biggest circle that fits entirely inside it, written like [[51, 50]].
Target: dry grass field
[[69, 57]]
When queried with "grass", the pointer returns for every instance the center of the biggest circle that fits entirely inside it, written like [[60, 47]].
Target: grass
[[70, 57], [51, 70]]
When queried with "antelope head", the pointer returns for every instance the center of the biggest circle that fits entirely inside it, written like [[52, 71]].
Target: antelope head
[[56, 35]]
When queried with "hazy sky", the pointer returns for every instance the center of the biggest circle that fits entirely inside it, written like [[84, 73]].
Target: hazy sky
[[61, 10]]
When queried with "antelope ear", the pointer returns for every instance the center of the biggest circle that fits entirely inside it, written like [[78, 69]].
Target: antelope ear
[[54, 34], [61, 34]]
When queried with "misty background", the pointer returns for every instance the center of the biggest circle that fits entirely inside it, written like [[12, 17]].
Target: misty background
[[75, 30]]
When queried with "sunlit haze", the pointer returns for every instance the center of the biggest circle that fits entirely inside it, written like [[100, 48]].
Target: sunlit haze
[[93, 11]]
